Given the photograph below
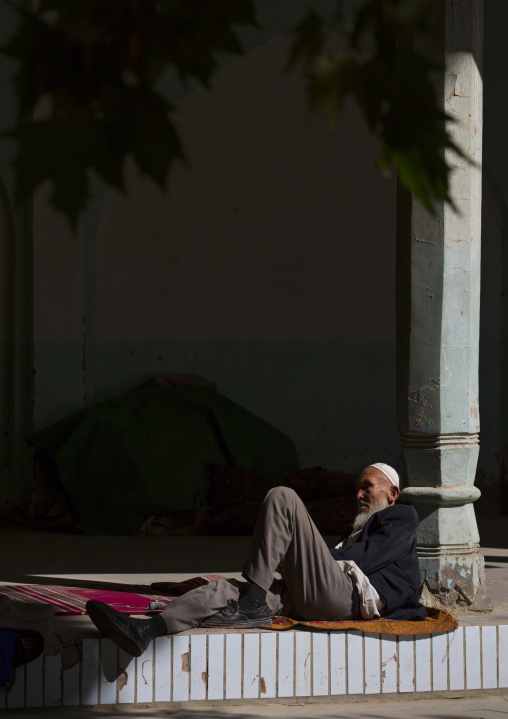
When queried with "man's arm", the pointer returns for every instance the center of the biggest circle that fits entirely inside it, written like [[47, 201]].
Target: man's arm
[[394, 531]]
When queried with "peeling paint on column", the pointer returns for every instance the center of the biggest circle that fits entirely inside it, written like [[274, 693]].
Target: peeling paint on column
[[122, 679]]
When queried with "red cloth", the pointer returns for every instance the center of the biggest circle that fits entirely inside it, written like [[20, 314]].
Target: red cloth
[[137, 599]]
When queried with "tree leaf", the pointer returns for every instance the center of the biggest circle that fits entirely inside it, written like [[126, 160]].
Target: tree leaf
[[61, 150], [96, 64], [309, 40], [390, 82]]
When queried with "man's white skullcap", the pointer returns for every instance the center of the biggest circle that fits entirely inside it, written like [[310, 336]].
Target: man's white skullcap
[[388, 471]]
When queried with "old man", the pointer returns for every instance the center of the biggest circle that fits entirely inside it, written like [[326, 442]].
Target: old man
[[372, 572]]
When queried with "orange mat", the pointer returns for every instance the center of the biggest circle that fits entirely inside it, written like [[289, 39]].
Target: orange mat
[[437, 622]]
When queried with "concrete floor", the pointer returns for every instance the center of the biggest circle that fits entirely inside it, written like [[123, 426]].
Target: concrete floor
[[54, 558], [491, 707]]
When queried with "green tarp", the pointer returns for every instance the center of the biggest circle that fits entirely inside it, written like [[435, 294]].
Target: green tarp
[[147, 452]]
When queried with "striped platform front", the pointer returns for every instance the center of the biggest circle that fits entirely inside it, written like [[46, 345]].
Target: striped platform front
[[266, 665]]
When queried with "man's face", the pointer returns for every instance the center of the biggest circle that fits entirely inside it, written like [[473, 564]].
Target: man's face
[[373, 488]]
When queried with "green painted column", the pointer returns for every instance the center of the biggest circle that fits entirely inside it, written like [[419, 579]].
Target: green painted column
[[438, 288]]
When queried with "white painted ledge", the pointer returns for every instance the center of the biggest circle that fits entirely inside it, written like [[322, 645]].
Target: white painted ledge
[[250, 666]]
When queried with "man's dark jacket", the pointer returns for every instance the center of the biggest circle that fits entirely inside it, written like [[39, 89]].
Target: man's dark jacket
[[386, 552]]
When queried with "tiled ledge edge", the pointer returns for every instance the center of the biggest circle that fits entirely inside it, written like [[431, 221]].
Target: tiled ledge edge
[[267, 665]]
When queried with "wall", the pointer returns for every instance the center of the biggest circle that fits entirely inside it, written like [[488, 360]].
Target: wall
[[494, 308], [269, 268]]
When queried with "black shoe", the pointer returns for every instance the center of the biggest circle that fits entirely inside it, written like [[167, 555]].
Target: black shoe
[[118, 627], [234, 616]]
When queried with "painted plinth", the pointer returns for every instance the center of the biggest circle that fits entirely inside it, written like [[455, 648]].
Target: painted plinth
[[438, 302], [268, 665]]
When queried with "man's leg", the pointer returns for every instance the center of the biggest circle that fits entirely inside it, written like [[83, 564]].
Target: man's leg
[[314, 585], [193, 607], [134, 635], [285, 535]]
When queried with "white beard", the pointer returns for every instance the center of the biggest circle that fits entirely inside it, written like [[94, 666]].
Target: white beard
[[362, 517]]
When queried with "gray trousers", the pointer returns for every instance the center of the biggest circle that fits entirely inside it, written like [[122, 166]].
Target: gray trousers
[[286, 539]]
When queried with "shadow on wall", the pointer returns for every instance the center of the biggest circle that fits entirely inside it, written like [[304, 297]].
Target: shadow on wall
[[269, 269], [492, 529]]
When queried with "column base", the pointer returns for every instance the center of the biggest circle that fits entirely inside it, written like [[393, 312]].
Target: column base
[[453, 581]]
